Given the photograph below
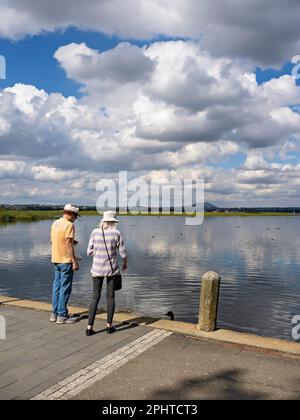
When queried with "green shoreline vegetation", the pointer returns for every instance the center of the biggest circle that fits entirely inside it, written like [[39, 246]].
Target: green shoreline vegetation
[[35, 215]]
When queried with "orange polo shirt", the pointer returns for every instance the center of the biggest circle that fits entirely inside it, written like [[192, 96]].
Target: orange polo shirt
[[61, 230]]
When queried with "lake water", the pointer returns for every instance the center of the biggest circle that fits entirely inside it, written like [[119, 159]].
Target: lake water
[[258, 259]]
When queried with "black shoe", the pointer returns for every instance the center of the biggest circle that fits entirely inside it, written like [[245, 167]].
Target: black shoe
[[110, 330], [89, 332]]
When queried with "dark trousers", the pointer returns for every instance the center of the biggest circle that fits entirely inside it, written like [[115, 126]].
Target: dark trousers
[[110, 299]]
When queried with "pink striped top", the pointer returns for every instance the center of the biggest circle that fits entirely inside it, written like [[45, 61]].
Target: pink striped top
[[96, 247]]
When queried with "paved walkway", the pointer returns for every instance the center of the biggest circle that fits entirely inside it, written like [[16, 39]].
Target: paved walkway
[[38, 354], [41, 360], [183, 368]]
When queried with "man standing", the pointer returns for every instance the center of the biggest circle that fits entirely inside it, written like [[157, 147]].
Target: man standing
[[65, 263]]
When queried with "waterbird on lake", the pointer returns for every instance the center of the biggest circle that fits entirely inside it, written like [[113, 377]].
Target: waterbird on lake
[[171, 315]]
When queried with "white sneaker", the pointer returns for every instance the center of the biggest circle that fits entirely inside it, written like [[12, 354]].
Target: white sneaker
[[66, 320], [53, 318]]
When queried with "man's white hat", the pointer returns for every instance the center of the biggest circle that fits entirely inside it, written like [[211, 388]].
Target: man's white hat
[[72, 209], [109, 216]]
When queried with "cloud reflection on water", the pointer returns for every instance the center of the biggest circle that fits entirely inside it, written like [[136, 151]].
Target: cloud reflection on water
[[260, 290]]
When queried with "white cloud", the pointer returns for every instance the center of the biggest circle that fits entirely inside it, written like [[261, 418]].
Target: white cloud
[[125, 63], [4, 126], [14, 169], [266, 32], [175, 108], [185, 96], [110, 78]]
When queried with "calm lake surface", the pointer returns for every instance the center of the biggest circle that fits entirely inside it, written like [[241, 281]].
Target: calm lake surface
[[258, 259]]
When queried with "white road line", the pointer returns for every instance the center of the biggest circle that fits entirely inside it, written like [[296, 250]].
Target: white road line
[[76, 383]]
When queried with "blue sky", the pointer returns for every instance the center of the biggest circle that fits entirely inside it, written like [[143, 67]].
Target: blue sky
[[31, 60]]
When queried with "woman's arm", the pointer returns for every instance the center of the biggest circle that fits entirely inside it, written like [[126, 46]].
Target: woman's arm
[[122, 252], [124, 263]]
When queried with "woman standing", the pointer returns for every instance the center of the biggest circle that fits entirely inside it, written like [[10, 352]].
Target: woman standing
[[104, 244]]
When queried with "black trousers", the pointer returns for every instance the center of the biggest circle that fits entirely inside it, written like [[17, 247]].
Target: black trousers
[[110, 298]]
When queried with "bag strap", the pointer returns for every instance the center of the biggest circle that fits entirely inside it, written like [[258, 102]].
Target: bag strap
[[112, 270]]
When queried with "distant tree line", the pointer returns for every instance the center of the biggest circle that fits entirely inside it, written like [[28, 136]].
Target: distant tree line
[[207, 207]]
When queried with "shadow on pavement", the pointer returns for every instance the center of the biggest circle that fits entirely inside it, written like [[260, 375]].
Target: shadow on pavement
[[122, 327], [225, 385], [145, 320]]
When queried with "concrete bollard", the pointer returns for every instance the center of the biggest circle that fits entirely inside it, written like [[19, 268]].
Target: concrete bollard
[[209, 299]]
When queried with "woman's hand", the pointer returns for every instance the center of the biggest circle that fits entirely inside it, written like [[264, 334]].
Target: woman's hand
[[124, 266]]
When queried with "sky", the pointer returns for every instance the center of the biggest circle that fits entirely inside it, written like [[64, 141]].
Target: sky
[[205, 90]]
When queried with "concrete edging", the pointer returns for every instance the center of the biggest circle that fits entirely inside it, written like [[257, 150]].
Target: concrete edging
[[232, 337], [226, 336]]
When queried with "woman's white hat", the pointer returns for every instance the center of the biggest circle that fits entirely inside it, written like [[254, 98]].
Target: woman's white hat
[[109, 216]]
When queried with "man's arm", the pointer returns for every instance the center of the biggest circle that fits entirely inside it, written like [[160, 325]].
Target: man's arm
[[71, 252]]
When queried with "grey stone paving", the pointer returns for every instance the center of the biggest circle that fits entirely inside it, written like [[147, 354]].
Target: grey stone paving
[[37, 354], [85, 378], [184, 368]]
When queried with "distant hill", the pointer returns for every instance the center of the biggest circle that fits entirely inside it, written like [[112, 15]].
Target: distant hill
[[209, 207], [260, 209]]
